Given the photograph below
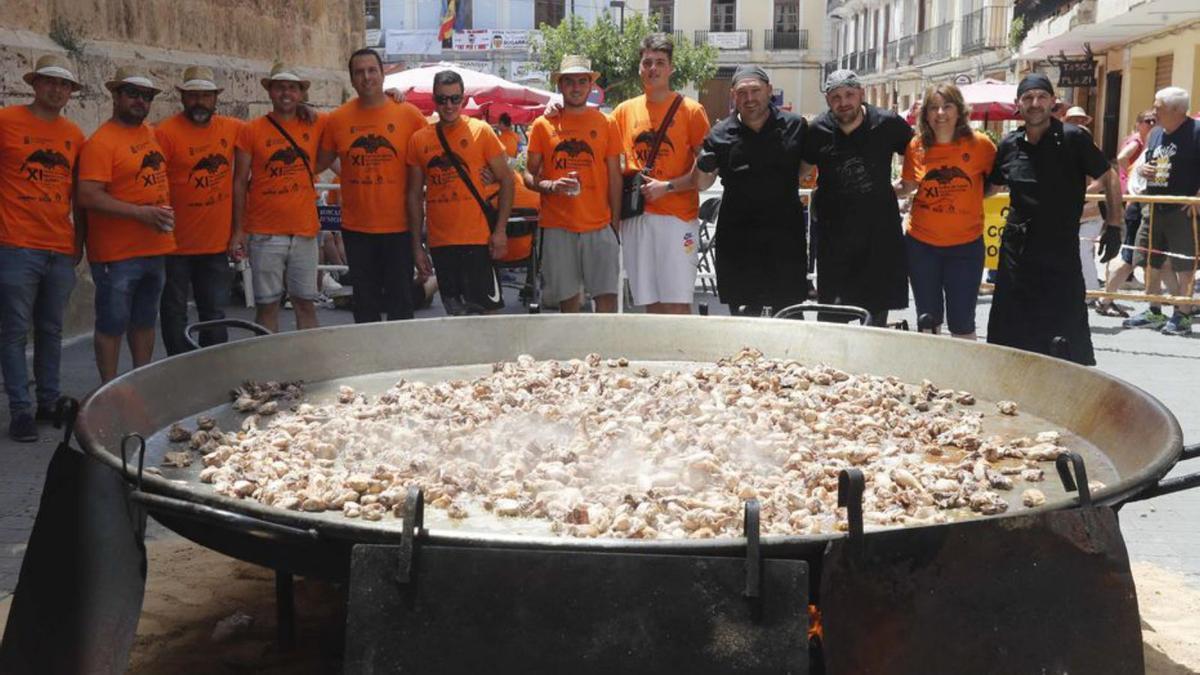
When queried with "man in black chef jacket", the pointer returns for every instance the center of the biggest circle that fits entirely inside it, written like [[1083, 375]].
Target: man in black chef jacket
[[760, 240], [862, 261], [1039, 287]]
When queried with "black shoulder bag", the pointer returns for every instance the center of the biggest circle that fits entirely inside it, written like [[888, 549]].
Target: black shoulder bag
[[312, 179], [488, 212], [303, 155], [632, 203]]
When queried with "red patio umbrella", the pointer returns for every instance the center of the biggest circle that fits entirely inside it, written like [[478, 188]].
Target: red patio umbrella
[[417, 85]]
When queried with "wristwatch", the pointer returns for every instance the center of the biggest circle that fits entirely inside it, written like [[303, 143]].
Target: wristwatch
[[670, 186]]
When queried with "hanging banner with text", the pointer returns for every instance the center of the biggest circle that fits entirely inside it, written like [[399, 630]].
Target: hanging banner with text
[[413, 42], [482, 40]]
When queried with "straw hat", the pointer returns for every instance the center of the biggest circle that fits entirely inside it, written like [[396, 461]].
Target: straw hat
[[573, 64], [1076, 111], [134, 75], [53, 65], [281, 72], [199, 78]]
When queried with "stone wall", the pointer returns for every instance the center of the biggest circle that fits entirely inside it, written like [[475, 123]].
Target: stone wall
[[238, 39]]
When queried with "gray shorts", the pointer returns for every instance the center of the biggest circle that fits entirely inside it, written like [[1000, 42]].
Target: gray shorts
[[573, 261], [279, 258], [1173, 233]]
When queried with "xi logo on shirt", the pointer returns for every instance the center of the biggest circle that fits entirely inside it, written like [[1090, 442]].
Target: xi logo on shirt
[[285, 158], [153, 162], [643, 142], [210, 165], [40, 163], [441, 169], [568, 154], [370, 144]]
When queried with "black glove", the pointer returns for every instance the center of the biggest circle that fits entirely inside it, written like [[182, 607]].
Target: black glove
[[1110, 243], [706, 161]]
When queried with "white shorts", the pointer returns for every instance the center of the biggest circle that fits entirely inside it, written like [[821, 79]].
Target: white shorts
[[574, 261], [279, 261], [660, 254]]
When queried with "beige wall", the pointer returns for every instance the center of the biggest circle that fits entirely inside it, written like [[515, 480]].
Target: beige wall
[[239, 40]]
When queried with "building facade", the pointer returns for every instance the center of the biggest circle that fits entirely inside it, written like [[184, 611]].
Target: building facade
[[899, 47], [1138, 48], [785, 37]]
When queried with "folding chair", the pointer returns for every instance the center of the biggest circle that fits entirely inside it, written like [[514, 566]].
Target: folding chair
[[705, 266]]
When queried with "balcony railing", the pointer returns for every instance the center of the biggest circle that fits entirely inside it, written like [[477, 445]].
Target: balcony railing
[[777, 40], [726, 40], [934, 43], [867, 63], [901, 52], [986, 28]]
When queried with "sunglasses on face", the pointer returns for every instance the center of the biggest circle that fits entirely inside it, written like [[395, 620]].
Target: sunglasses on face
[[453, 99], [144, 94], [1150, 122]]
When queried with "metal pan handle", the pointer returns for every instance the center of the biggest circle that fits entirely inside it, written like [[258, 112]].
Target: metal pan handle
[[262, 529], [1168, 486], [190, 333], [797, 311]]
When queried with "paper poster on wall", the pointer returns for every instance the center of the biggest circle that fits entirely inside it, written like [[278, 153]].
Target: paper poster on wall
[[995, 209], [413, 42]]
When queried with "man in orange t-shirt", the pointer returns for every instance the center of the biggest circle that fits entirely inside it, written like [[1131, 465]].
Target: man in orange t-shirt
[[369, 135], [459, 238], [130, 222], [38, 243], [574, 162], [199, 147], [275, 202], [661, 246], [508, 137]]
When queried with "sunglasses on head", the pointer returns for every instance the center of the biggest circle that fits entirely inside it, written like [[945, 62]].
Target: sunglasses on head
[[146, 95], [453, 99]]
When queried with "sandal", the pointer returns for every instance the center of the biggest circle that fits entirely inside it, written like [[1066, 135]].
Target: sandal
[[1109, 308]]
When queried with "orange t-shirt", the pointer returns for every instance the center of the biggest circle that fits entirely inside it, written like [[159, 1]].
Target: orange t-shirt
[[281, 198], [451, 213], [580, 143], [510, 141], [638, 119], [130, 162], [37, 163], [947, 208], [371, 143], [200, 173]]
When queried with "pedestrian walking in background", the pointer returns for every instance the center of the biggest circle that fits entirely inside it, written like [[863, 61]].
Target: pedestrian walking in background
[[1128, 158], [1172, 167], [945, 170]]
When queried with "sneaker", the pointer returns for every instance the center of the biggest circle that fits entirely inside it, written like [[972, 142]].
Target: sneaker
[[23, 429], [1179, 324], [1153, 319], [328, 283]]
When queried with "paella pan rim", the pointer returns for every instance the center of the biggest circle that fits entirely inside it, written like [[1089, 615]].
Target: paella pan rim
[[644, 337]]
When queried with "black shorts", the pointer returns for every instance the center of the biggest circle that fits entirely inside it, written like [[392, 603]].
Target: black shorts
[[466, 279]]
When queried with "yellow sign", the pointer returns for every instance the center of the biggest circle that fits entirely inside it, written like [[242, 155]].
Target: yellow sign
[[995, 209]]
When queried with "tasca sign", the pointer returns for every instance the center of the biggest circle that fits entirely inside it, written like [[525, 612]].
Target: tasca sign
[[1077, 73]]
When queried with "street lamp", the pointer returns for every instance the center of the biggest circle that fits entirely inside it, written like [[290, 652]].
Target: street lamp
[[620, 4]]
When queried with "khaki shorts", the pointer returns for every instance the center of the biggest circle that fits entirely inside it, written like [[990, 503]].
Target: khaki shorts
[[574, 262], [279, 261], [1173, 233]]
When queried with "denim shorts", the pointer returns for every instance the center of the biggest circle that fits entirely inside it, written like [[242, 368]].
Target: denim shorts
[[279, 261], [127, 293]]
